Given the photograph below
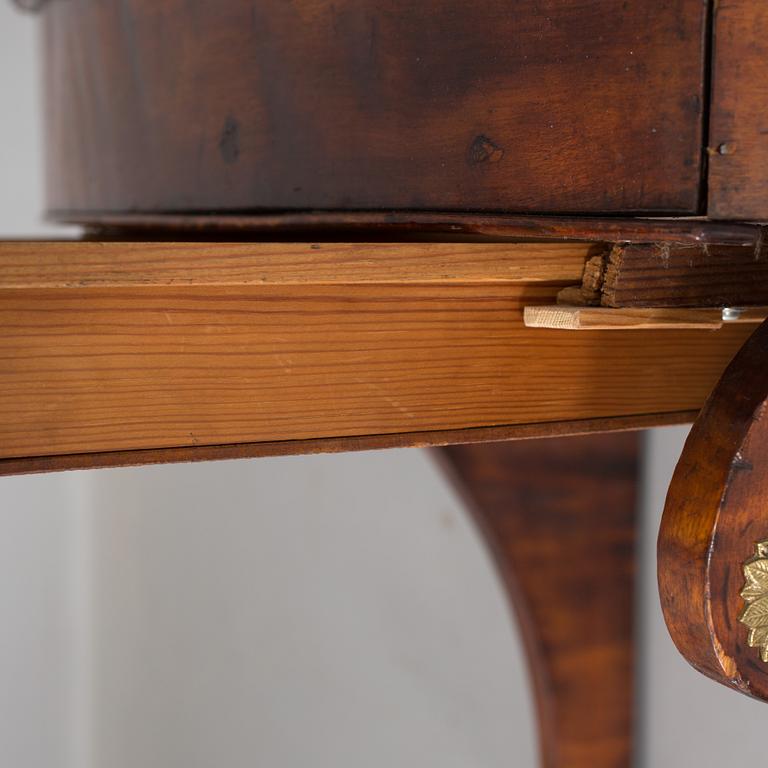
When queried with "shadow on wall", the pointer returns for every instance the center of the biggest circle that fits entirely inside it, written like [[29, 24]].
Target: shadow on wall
[[325, 611]]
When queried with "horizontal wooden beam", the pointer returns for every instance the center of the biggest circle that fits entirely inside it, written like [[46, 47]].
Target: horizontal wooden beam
[[686, 276], [664, 275], [74, 264], [502, 433], [403, 223], [109, 348]]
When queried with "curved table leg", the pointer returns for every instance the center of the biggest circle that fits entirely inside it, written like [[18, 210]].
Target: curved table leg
[[713, 540], [559, 516]]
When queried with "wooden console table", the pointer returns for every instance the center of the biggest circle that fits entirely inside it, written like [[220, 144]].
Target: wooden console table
[[318, 226]]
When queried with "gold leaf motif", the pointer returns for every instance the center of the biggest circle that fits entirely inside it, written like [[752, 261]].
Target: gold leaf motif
[[758, 636], [756, 574], [755, 595], [756, 613]]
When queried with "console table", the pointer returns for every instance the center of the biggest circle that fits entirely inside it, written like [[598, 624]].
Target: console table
[[514, 231]]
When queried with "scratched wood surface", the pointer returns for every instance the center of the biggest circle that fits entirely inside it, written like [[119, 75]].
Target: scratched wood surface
[[89, 365], [227, 105], [685, 276]]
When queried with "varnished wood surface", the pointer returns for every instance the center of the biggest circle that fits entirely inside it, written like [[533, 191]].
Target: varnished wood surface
[[224, 105], [95, 366], [559, 517], [714, 516], [738, 162], [389, 225]]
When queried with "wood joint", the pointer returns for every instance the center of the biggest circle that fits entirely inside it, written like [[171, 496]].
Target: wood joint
[[673, 275]]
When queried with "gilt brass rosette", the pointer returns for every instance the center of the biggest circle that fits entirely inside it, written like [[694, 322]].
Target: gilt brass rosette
[[755, 594]]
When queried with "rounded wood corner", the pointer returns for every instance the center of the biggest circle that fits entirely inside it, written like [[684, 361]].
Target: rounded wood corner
[[713, 581]]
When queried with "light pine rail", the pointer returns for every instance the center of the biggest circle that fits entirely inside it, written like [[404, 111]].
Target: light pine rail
[[120, 347]]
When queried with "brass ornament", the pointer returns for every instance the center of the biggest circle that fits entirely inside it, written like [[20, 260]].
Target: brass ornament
[[755, 594]]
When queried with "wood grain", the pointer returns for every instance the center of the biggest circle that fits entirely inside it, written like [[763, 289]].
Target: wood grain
[[427, 439], [714, 516], [346, 225], [74, 264], [89, 366], [738, 153], [224, 105], [607, 319], [663, 275], [559, 517]]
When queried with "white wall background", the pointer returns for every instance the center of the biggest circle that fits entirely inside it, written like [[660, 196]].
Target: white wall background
[[320, 611]]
